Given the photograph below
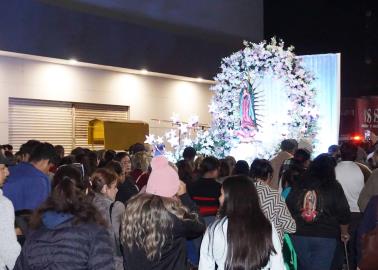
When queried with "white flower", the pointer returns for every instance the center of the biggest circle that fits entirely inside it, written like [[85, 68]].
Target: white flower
[[175, 118], [150, 139], [159, 140], [187, 142], [170, 134], [183, 128], [193, 120], [174, 141]]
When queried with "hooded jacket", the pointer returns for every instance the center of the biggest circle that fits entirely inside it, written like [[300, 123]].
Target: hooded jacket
[[9, 247], [61, 244]]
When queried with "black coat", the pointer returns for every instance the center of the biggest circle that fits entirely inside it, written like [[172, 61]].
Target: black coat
[[126, 190], [67, 246], [173, 255]]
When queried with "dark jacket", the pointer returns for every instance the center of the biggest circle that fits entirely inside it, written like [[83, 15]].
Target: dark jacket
[[205, 188], [126, 190], [173, 255], [59, 244], [334, 209]]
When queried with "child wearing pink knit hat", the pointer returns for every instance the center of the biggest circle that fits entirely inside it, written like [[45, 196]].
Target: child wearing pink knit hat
[[164, 180]]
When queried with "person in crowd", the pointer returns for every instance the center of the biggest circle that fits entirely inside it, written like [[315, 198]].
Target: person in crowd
[[28, 184], [140, 168], [288, 148], [92, 161], [334, 151], [124, 159], [368, 223], [369, 190], [67, 160], [8, 148], [224, 170], [26, 149], [126, 187], [108, 156], [241, 167], [8, 156], [361, 155], [189, 155], [321, 211], [231, 161], [136, 148], [17, 157], [242, 237], [197, 164], [291, 177], [372, 160], [104, 185], [9, 247], [185, 171], [297, 164], [351, 178], [302, 158], [306, 145], [68, 232], [88, 165], [59, 149], [78, 151], [272, 204], [163, 217], [206, 190]]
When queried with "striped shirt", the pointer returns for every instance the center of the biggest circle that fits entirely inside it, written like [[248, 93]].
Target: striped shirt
[[275, 209]]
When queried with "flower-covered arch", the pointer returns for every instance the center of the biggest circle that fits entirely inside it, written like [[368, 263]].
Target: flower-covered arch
[[236, 122], [240, 71]]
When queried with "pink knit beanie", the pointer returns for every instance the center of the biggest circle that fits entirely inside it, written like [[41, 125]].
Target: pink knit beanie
[[164, 180]]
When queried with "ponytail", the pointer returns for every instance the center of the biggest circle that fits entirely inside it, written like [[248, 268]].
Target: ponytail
[[68, 196]]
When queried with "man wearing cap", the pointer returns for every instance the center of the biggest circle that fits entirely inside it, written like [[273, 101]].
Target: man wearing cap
[[9, 247]]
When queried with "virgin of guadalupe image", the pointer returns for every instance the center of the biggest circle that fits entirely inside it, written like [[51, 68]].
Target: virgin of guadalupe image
[[248, 124]]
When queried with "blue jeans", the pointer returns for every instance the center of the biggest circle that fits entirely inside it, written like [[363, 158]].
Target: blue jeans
[[314, 253], [193, 246]]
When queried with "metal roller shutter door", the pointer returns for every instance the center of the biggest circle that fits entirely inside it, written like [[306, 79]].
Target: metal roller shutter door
[[46, 121], [83, 113]]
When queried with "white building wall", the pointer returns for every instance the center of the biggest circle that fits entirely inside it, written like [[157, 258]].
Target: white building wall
[[148, 97]]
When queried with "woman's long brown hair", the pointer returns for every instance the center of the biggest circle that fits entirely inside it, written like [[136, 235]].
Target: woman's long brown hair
[[148, 222]]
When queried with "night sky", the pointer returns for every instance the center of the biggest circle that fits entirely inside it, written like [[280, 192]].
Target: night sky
[[190, 37], [348, 27]]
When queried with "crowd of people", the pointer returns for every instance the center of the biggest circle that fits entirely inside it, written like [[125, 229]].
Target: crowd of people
[[135, 210]]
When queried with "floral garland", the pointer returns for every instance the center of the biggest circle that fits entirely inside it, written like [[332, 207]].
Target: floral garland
[[250, 64], [237, 72]]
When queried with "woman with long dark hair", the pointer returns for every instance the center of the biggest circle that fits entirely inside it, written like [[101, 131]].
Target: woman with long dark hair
[[321, 211], [242, 238], [67, 230], [156, 223]]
